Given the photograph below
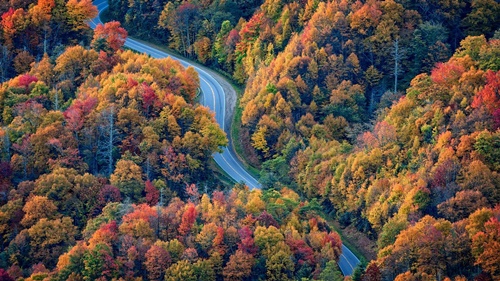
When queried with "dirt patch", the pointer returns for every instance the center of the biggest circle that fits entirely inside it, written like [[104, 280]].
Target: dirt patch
[[366, 246]]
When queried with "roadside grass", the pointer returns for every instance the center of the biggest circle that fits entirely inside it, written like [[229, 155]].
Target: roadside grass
[[235, 140]]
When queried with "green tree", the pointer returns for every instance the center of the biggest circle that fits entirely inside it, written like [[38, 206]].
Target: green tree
[[99, 263], [221, 50], [331, 272]]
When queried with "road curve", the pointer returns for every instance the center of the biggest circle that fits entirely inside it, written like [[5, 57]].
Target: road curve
[[214, 98]]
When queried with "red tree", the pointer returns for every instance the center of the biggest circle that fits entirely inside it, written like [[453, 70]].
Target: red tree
[[447, 74], [25, 80], [247, 243], [149, 99], [372, 273], [188, 219], [112, 33], [489, 96], [152, 193], [4, 276], [157, 261]]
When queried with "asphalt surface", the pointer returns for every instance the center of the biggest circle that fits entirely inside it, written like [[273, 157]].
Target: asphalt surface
[[213, 97], [347, 261]]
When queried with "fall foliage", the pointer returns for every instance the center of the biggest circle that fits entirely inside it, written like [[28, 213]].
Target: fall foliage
[[381, 115]]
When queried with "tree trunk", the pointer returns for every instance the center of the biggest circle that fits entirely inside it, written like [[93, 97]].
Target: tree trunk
[[106, 141], [396, 64], [110, 141]]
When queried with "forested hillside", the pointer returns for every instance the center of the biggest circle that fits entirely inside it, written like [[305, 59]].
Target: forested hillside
[[123, 109], [381, 115], [103, 152], [334, 90], [366, 37], [428, 171], [230, 236]]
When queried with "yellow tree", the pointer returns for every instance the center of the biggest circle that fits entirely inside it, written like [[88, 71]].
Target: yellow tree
[[280, 266], [180, 271], [80, 11], [36, 208], [50, 238], [128, 178]]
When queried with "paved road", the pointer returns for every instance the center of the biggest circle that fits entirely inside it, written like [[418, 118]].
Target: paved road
[[213, 97], [348, 261]]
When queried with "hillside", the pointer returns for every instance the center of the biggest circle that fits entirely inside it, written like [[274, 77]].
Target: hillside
[[103, 152], [383, 116], [429, 163]]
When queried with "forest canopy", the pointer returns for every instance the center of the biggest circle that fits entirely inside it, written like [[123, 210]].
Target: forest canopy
[[380, 116]]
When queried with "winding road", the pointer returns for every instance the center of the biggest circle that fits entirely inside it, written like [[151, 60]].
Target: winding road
[[213, 96]]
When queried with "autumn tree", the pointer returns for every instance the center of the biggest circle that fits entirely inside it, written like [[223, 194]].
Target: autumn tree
[[152, 193], [109, 37], [4, 275], [462, 205], [239, 266], [188, 219], [157, 260], [372, 273], [36, 208], [489, 96], [74, 65], [23, 61], [482, 18], [182, 25], [79, 11], [485, 245], [50, 238], [128, 178], [180, 271], [428, 253], [99, 263]]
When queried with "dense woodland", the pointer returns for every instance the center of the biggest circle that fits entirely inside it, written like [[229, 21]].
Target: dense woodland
[[334, 90], [29, 29], [102, 154], [362, 40], [383, 115]]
